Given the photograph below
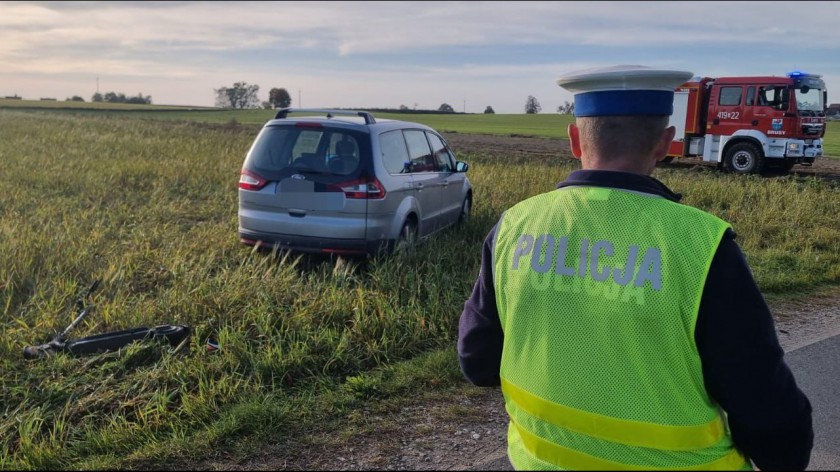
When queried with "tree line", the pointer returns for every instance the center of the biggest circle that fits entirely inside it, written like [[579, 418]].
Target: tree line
[[113, 97], [243, 95]]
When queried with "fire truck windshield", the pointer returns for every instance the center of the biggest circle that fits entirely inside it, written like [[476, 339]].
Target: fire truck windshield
[[809, 99]]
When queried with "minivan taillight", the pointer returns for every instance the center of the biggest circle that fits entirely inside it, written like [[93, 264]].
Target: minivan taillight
[[363, 188], [251, 181]]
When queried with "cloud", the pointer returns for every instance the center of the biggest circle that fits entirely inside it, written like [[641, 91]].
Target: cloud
[[451, 45], [348, 28]]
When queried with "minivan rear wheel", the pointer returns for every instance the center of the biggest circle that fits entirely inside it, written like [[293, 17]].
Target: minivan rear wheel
[[407, 237]]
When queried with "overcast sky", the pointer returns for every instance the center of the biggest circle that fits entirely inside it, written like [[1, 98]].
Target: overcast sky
[[386, 54]]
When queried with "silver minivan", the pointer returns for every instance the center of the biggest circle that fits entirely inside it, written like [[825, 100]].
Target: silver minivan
[[343, 182]]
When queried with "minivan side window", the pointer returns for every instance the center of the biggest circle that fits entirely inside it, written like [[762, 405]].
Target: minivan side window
[[394, 152], [419, 151], [443, 158]]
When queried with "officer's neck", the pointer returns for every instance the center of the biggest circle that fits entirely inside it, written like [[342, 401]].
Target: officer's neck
[[630, 164]]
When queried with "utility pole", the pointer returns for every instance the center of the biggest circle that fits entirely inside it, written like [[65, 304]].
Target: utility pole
[[465, 106], [300, 104], [97, 84]]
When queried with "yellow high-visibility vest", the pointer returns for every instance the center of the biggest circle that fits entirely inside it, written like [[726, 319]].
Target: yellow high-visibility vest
[[598, 291]]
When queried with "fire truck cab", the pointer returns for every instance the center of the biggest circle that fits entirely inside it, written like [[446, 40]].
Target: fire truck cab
[[747, 123]]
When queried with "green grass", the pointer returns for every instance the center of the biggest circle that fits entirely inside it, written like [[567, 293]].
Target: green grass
[[150, 207], [831, 144], [548, 125], [61, 105]]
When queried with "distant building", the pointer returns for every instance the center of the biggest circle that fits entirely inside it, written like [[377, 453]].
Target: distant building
[[833, 109]]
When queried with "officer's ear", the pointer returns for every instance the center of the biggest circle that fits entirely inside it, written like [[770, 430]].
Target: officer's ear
[[664, 143], [574, 140]]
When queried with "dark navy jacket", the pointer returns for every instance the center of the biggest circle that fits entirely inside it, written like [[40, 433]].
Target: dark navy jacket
[[743, 364]]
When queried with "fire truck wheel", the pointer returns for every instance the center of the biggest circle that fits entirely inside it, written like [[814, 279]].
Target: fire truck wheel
[[744, 158]]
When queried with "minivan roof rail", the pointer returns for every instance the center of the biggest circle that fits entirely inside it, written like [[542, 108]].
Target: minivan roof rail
[[283, 112]]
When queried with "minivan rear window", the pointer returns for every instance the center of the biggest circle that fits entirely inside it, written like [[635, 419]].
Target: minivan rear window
[[279, 151]]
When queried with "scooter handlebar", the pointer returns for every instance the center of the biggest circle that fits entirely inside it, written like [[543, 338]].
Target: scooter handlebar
[[35, 352]]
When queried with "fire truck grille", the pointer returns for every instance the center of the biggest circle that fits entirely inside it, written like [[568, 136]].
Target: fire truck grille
[[812, 129]]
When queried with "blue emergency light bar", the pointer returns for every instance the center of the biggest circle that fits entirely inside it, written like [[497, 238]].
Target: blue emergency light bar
[[798, 74]]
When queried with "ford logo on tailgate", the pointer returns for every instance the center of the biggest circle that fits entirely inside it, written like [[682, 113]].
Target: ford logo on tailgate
[[299, 177]]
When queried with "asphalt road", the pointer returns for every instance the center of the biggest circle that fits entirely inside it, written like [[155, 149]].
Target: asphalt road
[[816, 368]]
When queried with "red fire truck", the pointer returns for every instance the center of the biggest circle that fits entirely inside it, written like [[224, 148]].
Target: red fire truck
[[745, 124]]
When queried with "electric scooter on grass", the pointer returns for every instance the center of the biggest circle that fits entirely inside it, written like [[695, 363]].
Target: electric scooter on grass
[[176, 335]]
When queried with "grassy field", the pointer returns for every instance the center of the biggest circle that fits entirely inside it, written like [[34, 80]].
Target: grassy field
[[150, 207], [831, 143], [549, 125], [62, 105]]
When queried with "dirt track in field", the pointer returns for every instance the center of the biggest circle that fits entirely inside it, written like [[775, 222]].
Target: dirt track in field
[[495, 145]]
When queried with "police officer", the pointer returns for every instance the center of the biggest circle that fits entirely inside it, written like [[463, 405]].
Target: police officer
[[626, 329]]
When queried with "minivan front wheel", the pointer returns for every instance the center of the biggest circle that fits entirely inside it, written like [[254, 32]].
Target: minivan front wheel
[[466, 211], [407, 237]]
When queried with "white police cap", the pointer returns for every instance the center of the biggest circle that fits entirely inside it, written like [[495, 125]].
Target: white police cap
[[624, 90]]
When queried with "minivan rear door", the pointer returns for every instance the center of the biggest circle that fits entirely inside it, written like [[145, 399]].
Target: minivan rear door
[[313, 175], [399, 181], [426, 180]]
